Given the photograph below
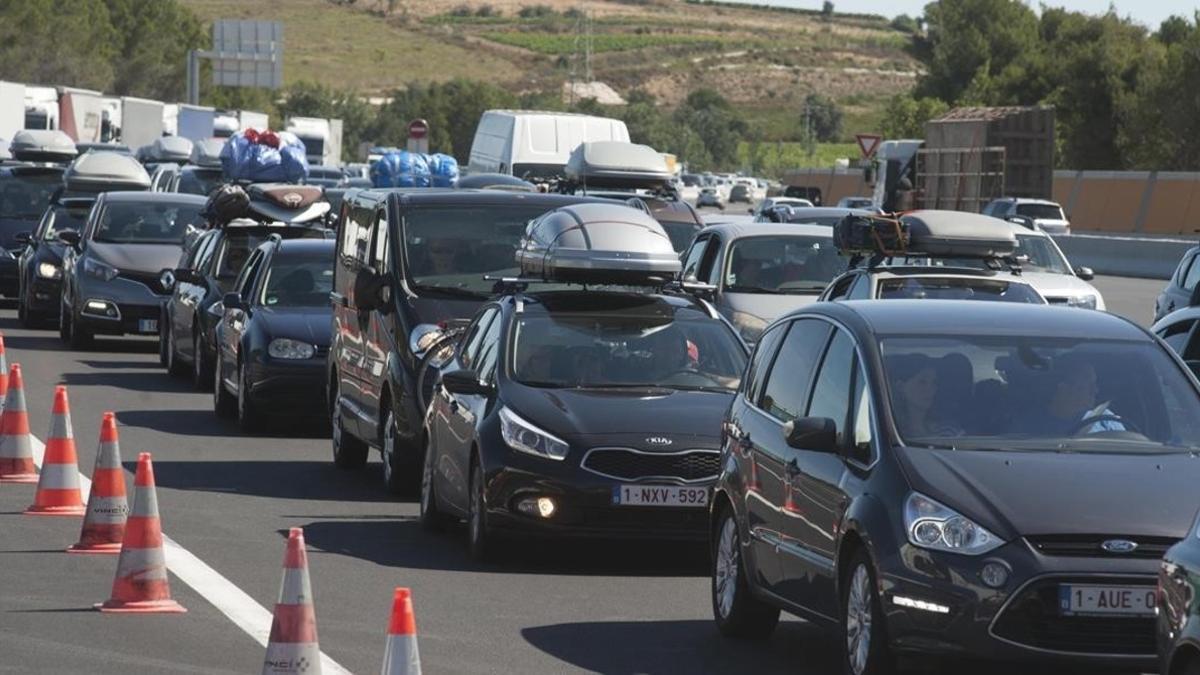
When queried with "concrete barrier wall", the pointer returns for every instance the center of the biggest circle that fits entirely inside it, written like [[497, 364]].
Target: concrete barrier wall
[[1125, 256]]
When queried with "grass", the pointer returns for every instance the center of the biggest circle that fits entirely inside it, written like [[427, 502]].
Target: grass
[[556, 44], [776, 158]]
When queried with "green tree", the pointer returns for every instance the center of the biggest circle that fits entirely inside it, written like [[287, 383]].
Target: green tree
[[1162, 129], [824, 117], [905, 24], [43, 42], [716, 125], [905, 116], [153, 38], [827, 10], [973, 45]]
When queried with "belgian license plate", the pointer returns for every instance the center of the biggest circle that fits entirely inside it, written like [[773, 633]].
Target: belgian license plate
[[659, 495], [1106, 600], [147, 325]]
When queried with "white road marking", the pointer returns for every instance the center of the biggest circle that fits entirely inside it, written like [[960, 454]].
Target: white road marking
[[243, 610]]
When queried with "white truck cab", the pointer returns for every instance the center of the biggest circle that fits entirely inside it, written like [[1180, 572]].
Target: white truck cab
[[535, 144]]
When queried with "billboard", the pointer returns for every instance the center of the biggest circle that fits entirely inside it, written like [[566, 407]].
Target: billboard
[[247, 53]]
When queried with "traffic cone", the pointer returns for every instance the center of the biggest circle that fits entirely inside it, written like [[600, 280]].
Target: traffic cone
[[107, 508], [401, 657], [3, 369], [293, 645], [141, 582], [58, 486], [16, 452]]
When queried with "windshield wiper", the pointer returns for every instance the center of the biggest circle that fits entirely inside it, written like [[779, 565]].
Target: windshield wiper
[[753, 289], [711, 388], [453, 291]]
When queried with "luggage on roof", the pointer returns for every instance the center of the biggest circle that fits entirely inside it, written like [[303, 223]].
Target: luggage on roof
[[617, 164], [207, 152], [443, 170], [171, 149], [401, 169], [264, 157], [103, 171], [937, 234], [42, 145]]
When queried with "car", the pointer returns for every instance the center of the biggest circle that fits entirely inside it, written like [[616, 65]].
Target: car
[[741, 193], [39, 267], [582, 412], [26, 190], [410, 262], [199, 280], [196, 180], [1178, 330], [710, 196], [104, 147], [930, 282], [757, 272], [494, 181], [814, 215], [273, 337], [865, 203], [1034, 214], [112, 267], [769, 203], [1178, 608], [1180, 290], [955, 479], [325, 176], [534, 144]]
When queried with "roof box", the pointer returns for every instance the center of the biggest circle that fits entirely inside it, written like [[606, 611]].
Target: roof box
[[104, 171], [495, 181], [207, 152], [957, 234], [171, 149], [616, 164], [599, 244], [42, 145]]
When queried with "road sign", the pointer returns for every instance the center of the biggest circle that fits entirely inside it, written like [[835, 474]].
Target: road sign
[[418, 136], [247, 53], [868, 144]]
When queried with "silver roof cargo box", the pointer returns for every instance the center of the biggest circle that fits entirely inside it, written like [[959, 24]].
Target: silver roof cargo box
[[102, 171], [615, 164], [957, 234], [207, 152], [597, 244], [42, 145], [171, 149]]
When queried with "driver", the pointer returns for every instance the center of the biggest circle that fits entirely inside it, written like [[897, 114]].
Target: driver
[[1073, 402], [441, 256]]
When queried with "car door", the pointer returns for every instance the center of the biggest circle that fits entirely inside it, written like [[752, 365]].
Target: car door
[[234, 319], [784, 397], [188, 294], [461, 412], [1179, 294], [378, 340], [349, 320]]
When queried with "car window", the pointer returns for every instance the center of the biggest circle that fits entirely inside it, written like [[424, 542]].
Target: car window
[[359, 234], [204, 252], [245, 279], [957, 288], [489, 351], [471, 342], [233, 254], [786, 393], [861, 289], [838, 291], [27, 195], [831, 394], [1040, 211], [1041, 255], [1193, 275], [380, 254], [62, 217], [298, 282], [1176, 335], [764, 351], [863, 417], [709, 271], [691, 264], [782, 264]]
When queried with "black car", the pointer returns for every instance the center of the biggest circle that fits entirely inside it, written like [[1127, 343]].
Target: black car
[[947, 479], [199, 282], [26, 189], [408, 263], [112, 282], [40, 263], [581, 413], [274, 336], [1179, 607], [1180, 291]]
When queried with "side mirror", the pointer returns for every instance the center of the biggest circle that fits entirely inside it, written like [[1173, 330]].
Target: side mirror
[[465, 382], [23, 237], [232, 301], [372, 291], [187, 276], [1085, 273], [818, 434], [70, 238]]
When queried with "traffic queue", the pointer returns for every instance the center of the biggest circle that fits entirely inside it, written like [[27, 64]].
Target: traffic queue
[[880, 425]]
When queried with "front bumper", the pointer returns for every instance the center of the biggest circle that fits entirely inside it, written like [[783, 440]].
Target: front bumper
[[958, 615], [44, 295], [281, 387], [117, 307]]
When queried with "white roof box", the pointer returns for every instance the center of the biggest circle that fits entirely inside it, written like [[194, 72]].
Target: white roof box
[[957, 234], [617, 164], [207, 152], [600, 244], [102, 171], [171, 149], [42, 145]]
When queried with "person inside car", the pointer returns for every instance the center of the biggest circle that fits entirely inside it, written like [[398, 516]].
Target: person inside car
[[916, 386], [1073, 403]]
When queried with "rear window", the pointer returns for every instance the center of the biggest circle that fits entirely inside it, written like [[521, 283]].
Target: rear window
[[1040, 211], [957, 288]]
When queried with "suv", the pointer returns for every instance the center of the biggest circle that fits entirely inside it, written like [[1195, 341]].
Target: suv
[[408, 263], [25, 192], [1035, 214], [40, 264]]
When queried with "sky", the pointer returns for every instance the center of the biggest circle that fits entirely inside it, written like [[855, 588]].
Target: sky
[[1149, 12]]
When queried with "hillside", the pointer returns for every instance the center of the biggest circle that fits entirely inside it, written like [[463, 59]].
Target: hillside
[[763, 60]]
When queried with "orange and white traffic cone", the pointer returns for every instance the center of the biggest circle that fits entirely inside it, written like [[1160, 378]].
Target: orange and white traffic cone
[[141, 584], [401, 657], [107, 508], [58, 487], [3, 369], [293, 645], [16, 451]]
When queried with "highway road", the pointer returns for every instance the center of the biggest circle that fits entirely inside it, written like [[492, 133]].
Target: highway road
[[229, 499]]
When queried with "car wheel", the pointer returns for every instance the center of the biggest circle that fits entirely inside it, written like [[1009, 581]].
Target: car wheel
[[348, 452], [174, 366], [481, 541], [248, 415], [64, 327], [396, 475], [430, 518], [224, 405], [78, 337], [865, 648], [1192, 668], [737, 612], [202, 368]]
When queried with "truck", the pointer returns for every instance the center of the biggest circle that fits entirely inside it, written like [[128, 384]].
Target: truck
[[322, 139], [534, 144], [41, 108], [229, 122], [12, 111], [141, 121], [110, 119], [81, 114], [170, 119], [196, 122]]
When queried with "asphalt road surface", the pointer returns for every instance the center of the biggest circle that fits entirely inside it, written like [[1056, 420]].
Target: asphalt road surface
[[229, 499]]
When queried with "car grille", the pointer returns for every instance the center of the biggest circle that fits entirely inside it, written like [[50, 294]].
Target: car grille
[[628, 464], [1089, 545], [1056, 300], [1032, 619], [151, 281]]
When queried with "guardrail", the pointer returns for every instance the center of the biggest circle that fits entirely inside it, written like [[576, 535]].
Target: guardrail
[[1125, 256]]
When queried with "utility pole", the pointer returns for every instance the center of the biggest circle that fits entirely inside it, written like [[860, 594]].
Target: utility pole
[[809, 141]]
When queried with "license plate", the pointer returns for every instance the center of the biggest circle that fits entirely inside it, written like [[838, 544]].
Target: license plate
[[147, 325], [1106, 600], [659, 495]]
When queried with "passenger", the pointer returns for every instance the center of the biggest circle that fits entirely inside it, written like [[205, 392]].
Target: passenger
[[441, 257], [915, 386], [1074, 401]]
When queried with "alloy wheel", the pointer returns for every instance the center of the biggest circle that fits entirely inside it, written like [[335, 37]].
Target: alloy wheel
[[858, 620], [726, 568]]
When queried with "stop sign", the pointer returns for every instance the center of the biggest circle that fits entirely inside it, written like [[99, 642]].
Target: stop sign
[[418, 129]]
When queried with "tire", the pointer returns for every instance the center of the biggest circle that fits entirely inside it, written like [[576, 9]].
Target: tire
[[64, 327], [481, 540], [1192, 668], [349, 452], [863, 631], [737, 612], [202, 367], [429, 517], [175, 367], [249, 416], [28, 317], [79, 338], [224, 405]]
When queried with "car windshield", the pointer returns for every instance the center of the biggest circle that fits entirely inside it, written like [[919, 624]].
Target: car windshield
[[1025, 393], [199, 182], [1041, 254], [680, 233], [60, 217], [146, 222], [957, 288], [27, 196], [782, 264], [298, 282], [626, 350], [1040, 211], [450, 249]]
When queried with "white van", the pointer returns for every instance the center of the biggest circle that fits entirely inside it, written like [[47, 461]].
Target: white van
[[535, 144]]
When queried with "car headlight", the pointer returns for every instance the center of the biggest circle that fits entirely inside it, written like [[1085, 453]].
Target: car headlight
[[523, 436], [932, 525], [1085, 301], [49, 271], [99, 270], [285, 348]]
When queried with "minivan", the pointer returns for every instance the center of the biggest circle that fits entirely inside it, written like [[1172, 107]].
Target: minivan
[[535, 144]]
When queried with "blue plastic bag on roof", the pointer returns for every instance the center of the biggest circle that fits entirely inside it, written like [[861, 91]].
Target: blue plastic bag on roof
[[401, 169], [264, 157], [443, 170]]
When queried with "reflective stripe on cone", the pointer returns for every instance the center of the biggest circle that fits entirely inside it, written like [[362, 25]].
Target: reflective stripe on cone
[[107, 508], [58, 487], [293, 644], [16, 450]]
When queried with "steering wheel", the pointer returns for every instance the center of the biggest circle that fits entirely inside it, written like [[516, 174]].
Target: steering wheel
[[1087, 422]]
